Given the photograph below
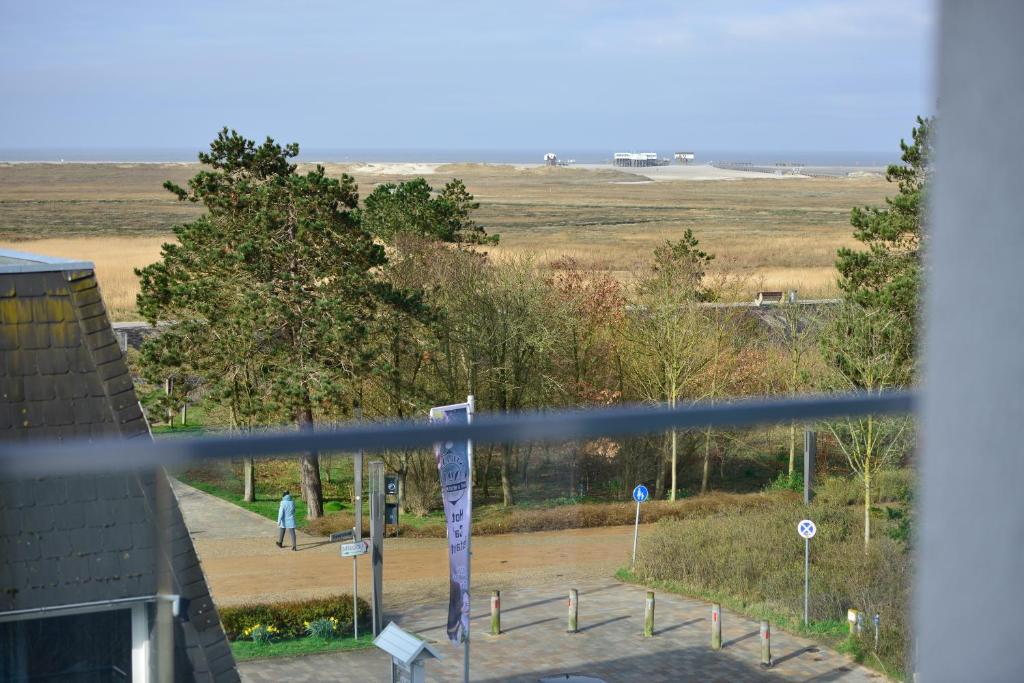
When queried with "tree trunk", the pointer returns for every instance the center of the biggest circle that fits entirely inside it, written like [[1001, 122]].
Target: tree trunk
[[792, 449], [249, 477], [506, 475], [707, 461], [309, 469], [485, 479], [659, 477], [867, 510], [572, 470], [674, 437]]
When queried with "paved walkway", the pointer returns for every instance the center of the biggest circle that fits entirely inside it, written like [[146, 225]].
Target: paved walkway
[[209, 517], [232, 541], [610, 645]]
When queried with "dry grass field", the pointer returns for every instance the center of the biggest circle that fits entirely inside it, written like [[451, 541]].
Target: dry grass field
[[774, 233]]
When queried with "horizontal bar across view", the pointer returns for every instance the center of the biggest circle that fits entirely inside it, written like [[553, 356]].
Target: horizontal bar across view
[[39, 458]]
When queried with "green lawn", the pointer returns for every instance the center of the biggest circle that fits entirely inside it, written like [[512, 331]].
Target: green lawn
[[246, 649]]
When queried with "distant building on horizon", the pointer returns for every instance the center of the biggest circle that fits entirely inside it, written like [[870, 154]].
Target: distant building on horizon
[[550, 159], [638, 159], [684, 157]]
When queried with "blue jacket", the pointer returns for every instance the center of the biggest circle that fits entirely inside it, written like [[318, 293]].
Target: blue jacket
[[286, 513]]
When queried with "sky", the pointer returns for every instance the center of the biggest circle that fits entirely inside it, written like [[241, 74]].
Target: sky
[[583, 74]]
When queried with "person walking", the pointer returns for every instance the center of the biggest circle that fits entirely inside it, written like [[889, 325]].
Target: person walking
[[286, 519]]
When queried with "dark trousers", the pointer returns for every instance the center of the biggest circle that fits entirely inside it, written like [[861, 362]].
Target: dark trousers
[[280, 538]]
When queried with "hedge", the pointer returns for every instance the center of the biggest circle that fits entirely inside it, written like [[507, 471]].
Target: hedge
[[290, 617]]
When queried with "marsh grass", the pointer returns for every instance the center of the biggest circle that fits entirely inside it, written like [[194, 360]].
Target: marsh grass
[[776, 234]]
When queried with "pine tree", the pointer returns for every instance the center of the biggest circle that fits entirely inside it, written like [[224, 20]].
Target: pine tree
[[887, 274], [271, 292]]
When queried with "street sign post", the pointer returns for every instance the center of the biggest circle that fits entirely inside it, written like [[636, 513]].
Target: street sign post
[[640, 494], [806, 529]]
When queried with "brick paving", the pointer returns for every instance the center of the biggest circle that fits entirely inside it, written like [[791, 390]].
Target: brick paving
[[610, 644]]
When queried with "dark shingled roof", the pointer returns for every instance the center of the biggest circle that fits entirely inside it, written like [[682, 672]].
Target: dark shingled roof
[[86, 538]]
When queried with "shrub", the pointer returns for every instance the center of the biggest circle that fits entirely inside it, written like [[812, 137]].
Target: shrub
[[576, 516], [324, 629], [261, 634], [787, 482], [290, 618], [757, 557], [889, 486]]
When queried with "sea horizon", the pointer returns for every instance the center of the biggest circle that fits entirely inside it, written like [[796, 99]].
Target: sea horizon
[[114, 155]]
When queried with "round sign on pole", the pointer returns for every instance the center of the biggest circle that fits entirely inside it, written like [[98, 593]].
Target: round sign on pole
[[806, 528], [640, 493]]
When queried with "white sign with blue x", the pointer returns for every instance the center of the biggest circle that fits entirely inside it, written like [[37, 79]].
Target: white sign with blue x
[[806, 528]]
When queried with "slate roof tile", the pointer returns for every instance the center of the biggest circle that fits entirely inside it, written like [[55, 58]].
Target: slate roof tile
[[38, 518], [55, 363], [55, 284], [94, 311], [87, 295], [8, 337], [12, 390], [21, 363], [7, 286], [108, 353], [52, 309], [15, 310], [33, 335], [40, 389]]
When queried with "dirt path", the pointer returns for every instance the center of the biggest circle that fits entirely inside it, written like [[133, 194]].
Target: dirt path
[[242, 563]]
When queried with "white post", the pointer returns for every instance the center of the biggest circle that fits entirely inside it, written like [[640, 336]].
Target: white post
[[470, 406], [140, 645], [807, 565], [355, 597], [636, 531]]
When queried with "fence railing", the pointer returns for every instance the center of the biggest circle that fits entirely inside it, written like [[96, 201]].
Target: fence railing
[[41, 458]]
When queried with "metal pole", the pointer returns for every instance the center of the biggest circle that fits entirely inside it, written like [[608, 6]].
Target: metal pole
[[355, 597], [807, 566], [470, 405], [636, 531], [377, 539], [810, 457], [357, 531]]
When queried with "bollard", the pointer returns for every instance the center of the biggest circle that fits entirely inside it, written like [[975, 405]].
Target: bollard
[[495, 613], [649, 615], [860, 623], [574, 610], [877, 620], [766, 644], [851, 618], [716, 626]]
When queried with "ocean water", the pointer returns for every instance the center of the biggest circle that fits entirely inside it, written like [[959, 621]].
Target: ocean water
[[494, 156]]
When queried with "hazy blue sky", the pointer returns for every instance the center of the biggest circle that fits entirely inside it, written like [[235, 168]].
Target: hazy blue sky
[[755, 75]]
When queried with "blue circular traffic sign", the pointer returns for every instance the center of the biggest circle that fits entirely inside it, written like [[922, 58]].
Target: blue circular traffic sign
[[806, 528], [640, 493]]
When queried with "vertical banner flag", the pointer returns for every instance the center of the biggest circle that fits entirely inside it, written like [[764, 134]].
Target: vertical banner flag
[[453, 466]]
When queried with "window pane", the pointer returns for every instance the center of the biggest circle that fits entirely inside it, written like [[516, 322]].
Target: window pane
[[84, 648]]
